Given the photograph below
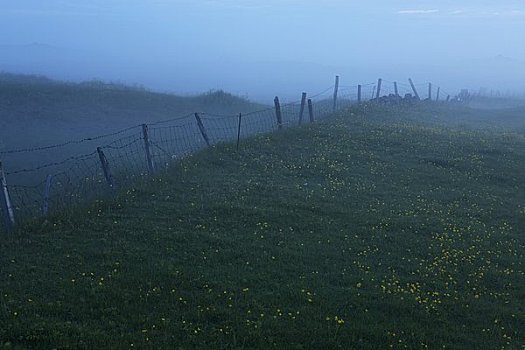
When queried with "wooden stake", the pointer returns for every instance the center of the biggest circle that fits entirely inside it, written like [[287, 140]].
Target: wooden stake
[[430, 91], [379, 82], [303, 103], [239, 131], [413, 88], [311, 110], [149, 158], [359, 88], [105, 167], [47, 192], [202, 129], [395, 88], [5, 199], [336, 90], [278, 112], [437, 95]]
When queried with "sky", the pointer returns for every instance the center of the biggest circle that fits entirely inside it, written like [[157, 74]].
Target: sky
[[261, 48]]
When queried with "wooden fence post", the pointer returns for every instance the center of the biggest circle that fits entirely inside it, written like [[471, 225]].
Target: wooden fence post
[[301, 111], [239, 131], [448, 98], [396, 91], [430, 91], [336, 90], [311, 110], [149, 158], [379, 82], [47, 193], [105, 167], [413, 88], [359, 88], [5, 199], [202, 129], [278, 112], [373, 92], [437, 95]]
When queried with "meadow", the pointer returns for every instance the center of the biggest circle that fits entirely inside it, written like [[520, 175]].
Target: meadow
[[37, 112], [377, 228]]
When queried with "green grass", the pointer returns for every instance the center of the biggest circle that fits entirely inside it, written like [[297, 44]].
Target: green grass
[[375, 229], [36, 111]]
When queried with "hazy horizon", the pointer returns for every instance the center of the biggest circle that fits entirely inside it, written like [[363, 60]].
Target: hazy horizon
[[258, 49]]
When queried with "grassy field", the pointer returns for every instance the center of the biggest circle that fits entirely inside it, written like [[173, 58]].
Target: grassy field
[[36, 111], [375, 229]]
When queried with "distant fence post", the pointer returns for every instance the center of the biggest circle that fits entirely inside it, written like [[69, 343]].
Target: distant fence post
[[413, 88], [105, 167], [278, 112], [5, 199], [396, 91], [239, 131], [301, 111], [311, 110], [202, 129], [47, 193], [448, 98], [359, 88], [149, 159], [437, 95], [336, 90], [378, 92], [430, 91], [373, 92]]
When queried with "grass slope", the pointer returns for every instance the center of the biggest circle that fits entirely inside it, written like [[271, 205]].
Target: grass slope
[[39, 111], [368, 231]]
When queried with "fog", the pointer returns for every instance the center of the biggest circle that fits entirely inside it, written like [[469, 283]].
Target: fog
[[260, 48]]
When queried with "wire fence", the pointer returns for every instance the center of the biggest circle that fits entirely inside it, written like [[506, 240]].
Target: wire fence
[[94, 167]]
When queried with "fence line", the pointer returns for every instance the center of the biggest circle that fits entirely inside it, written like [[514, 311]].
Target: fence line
[[141, 150]]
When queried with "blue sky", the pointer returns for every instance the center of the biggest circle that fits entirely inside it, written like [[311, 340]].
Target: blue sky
[[206, 44]]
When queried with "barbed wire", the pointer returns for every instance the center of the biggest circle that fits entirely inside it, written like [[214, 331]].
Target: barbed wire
[[71, 142]]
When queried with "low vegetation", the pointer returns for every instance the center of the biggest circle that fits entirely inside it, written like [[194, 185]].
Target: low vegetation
[[374, 229], [38, 111]]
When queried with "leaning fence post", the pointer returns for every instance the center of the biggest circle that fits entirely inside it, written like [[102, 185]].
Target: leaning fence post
[[413, 88], [396, 91], [202, 129], [448, 98], [430, 91], [311, 110], [359, 88], [437, 95], [47, 192], [105, 167], [239, 131], [149, 158], [303, 103], [379, 82], [336, 90], [278, 112], [7, 208]]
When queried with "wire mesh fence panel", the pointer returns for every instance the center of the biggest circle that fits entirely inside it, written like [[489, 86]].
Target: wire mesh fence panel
[[221, 128], [169, 143], [257, 123], [290, 114], [126, 158]]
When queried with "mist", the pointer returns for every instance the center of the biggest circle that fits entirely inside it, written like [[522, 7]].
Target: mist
[[260, 48]]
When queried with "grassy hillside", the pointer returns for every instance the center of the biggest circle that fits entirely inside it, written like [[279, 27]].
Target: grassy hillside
[[38, 111], [372, 230]]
